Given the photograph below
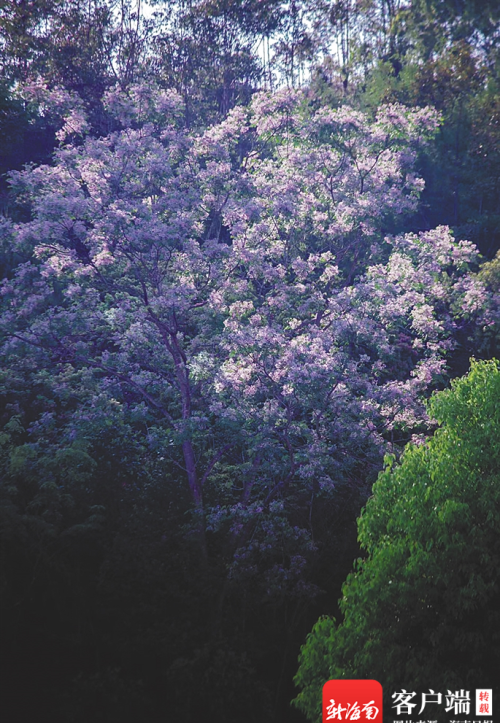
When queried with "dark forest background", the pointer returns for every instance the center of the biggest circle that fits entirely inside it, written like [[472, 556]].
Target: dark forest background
[[107, 613]]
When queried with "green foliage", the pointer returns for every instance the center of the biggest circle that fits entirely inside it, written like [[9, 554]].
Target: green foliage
[[422, 609], [490, 274], [486, 337], [461, 167]]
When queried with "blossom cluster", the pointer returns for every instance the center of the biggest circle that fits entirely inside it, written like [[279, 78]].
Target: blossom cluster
[[237, 284]]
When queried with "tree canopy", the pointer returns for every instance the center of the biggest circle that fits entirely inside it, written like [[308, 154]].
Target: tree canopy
[[241, 243], [422, 605], [234, 289]]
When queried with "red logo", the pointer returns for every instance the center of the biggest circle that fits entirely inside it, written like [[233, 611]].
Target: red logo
[[352, 700]]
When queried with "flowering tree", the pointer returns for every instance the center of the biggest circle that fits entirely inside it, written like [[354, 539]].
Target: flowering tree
[[234, 294]]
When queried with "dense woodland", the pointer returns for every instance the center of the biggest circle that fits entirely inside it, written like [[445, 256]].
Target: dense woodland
[[243, 243]]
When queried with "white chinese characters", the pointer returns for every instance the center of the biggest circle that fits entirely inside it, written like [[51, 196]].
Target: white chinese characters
[[457, 702], [368, 711]]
